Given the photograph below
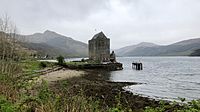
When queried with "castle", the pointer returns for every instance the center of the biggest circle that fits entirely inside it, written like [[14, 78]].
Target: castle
[[99, 48]]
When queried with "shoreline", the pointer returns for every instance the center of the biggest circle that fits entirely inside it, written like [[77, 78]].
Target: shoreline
[[92, 84]]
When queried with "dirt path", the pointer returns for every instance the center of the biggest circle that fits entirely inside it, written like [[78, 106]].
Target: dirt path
[[61, 75]]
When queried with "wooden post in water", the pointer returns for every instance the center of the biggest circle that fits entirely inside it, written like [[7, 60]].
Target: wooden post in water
[[137, 66]]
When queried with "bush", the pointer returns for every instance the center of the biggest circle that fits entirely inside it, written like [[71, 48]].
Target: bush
[[60, 60], [43, 64]]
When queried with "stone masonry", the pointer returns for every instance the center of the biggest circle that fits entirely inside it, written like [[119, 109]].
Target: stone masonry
[[99, 48]]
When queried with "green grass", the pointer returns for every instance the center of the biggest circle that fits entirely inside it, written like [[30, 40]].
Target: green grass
[[31, 66], [75, 63], [19, 95], [6, 106]]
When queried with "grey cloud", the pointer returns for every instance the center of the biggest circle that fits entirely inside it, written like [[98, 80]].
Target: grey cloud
[[126, 22]]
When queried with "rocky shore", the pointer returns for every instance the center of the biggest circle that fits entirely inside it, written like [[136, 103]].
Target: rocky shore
[[109, 94]]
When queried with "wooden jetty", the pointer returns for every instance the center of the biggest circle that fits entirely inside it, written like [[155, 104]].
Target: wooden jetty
[[137, 66]]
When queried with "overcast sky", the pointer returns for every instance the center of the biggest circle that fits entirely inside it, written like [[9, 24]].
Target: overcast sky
[[125, 22]]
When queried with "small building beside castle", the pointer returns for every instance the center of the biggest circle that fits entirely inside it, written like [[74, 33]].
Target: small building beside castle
[[99, 48]]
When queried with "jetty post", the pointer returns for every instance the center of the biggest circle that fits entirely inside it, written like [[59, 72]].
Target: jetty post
[[137, 66]]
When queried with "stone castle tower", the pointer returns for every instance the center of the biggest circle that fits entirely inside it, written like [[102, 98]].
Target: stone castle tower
[[99, 48]]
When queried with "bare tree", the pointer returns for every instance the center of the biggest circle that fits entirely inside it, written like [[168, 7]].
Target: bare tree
[[9, 49]]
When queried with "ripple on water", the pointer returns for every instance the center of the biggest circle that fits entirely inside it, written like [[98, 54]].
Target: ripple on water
[[164, 77]]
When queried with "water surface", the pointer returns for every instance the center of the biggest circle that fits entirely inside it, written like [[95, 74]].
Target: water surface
[[162, 77]]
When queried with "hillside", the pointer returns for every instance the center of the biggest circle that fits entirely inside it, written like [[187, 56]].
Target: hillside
[[43, 49], [129, 49], [196, 53], [55, 44], [11, 48], [182, 48]]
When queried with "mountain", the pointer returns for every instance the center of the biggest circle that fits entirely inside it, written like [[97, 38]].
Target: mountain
[[54, 44], [128, 49], [182, 48], [10, 47], [196, 53], [44, 49]]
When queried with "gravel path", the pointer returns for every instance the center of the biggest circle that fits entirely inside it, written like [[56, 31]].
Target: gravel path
[[61, 75]]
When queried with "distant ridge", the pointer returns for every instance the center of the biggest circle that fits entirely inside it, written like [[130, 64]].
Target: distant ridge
[[125, 51], [54, 44], [182, 48]]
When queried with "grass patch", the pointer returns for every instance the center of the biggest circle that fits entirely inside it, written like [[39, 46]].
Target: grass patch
[[31, 67], [76, 63], [6, 106]]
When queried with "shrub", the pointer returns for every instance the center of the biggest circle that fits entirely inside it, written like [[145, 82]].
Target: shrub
[[60, 60], [82, 60], [43, 64]]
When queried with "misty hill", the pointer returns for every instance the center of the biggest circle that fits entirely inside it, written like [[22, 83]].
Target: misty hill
[[44, 49], [128, 49], [182, 48], [196, 53], [55, 44]]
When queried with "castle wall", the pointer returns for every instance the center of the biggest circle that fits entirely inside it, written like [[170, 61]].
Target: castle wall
[[99, 49]]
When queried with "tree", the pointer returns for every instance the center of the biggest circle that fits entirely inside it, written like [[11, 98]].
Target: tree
[[9, 49], [60, 60]]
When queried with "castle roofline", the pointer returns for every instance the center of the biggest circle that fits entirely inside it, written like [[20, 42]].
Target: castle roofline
[[99, 35]]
